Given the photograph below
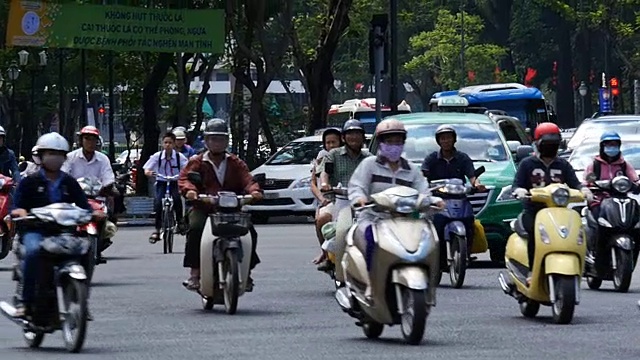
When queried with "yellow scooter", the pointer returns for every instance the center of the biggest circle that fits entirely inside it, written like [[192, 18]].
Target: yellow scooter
[[558, 260]]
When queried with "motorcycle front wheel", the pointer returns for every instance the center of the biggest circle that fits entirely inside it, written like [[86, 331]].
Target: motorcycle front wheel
[[74, 325], [231, 285], [565, 289], [624, 270], [414, 319], [458, 264]]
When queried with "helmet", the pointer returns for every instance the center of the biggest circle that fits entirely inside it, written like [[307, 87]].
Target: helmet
[[547, 131], [100, 142], [352, 124], [89, 130], [216, 127], [34, 150], [330, 131], [180, 135], [178, 128], [610, 136], [52, 141], [443, 129], [390, 126], [2, 132]]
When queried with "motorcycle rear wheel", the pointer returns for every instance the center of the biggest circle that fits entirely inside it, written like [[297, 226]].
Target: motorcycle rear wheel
[[33, 339], [372, 330], [5, 244], [594, 283], [529, 308], [231, 287]]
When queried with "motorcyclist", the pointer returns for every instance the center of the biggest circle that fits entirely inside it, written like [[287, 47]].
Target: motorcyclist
[[540, 170], [167, 162], [220, 171], [47, 186], [8, 160], [181, 143], [34, 165], [331, 139], [608, 164], [339, 165], [376, 174], [86, 162], [449, 163]]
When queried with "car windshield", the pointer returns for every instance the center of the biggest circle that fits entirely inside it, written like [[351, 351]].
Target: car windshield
[[584, 154], [296, 153], [481, 142], [593, 129]]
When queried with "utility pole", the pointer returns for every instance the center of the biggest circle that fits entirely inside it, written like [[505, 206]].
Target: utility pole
[[378, 47], [463, 78], [393, 94]]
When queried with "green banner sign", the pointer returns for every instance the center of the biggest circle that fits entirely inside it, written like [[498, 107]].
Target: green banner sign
[[114, 27]]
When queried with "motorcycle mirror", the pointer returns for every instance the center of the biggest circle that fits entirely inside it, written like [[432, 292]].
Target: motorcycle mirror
[[591, 177], [195, 178], [479, 171], [260, 179]]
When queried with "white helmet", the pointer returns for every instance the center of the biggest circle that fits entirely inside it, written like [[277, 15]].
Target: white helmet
[[52, 141], [180, 135], [34, 150], [2, 132]]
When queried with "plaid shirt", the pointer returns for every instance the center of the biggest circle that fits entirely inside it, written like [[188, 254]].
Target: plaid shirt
[[344, 165]]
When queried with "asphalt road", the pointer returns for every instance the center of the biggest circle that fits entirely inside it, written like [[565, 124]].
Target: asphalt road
[[143, 312]]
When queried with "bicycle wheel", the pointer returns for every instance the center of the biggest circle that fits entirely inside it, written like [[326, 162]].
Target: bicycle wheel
[[166, 229], [171, 230]]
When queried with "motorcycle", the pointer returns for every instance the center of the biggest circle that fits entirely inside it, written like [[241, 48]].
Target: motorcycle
[[401, 287], [6, 227], [559, 256], [99, 232], [225, 250], [62, 285], [454, 192], [617, 232], [329, 230]]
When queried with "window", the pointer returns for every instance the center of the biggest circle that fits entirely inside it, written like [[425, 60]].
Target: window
[[221, 76]]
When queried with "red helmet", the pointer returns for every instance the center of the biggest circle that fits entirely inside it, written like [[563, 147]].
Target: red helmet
[[89, 130], [547, 131]]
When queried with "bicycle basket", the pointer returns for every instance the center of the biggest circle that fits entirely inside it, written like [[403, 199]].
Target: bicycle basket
[[230, 224]]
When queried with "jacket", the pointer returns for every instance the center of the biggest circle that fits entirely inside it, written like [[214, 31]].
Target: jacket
[[237, 179], [610, 170], [9, 164], [33, 192]]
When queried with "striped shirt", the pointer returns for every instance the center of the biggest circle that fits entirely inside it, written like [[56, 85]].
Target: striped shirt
[[344, 164]]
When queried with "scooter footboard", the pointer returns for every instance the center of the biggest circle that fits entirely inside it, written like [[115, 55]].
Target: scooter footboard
[[564, 264]]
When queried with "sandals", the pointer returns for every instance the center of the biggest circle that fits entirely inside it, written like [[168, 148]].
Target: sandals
[[154, 238], [192, 284]]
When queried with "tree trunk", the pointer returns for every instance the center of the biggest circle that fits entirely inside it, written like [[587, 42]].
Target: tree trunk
[[320, 81], [202, 97], [150, 107], [564, 96]]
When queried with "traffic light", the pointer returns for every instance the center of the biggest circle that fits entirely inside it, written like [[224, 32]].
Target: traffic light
[[614, 84], [380, 21], [101, 110]]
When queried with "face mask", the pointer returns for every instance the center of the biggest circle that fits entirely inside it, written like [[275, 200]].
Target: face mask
[[548, 150], [36, 160], [391, 152], [612, 151], [53, 162], [215, 146]]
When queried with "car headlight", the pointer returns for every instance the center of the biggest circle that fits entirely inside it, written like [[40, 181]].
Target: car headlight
[[621, 184], [406, 205], [303, 183], [560, 197], [505, 194], [228, 201]]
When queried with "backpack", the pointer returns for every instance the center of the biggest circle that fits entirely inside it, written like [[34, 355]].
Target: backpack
[[597, 165]]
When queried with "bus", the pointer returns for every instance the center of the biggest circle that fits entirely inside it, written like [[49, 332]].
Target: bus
[[517, 100], [363, 110]]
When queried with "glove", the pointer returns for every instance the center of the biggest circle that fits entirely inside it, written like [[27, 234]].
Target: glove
[[587, 194], [520, 193]]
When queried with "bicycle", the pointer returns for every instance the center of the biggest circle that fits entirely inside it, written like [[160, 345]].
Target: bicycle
[[168, 215]]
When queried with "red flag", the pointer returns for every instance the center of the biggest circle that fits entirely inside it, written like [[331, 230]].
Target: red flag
[[529, 76]]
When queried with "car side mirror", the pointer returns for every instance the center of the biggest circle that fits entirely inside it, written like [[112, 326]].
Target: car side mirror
[[479, 171], [522, 152], [260, 179], [513, 145], [195, 178]]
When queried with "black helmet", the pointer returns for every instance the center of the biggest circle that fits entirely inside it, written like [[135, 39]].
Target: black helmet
[[352, 124], [330, 131], [216, 127], [443, 129]]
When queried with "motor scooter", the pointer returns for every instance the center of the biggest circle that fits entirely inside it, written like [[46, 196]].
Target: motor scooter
[[458, 208], [62, 285], [400, 288], [560, 250], [225, 250], [6, 225], [615, 234], [329, 230]]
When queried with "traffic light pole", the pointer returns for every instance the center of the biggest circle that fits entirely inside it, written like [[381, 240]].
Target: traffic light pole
[[377, 44]]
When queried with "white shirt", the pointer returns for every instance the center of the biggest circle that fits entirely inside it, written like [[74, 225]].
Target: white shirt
[[221, 171], [99, 167], [159, 163]]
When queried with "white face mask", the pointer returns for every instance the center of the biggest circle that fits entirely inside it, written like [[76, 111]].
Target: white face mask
[[53, 162], [36, 160]]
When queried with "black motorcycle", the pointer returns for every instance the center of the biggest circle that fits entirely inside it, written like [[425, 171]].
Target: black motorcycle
[[615, 235]]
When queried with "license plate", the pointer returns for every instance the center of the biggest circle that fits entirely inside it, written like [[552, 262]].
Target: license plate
[[271, 196]]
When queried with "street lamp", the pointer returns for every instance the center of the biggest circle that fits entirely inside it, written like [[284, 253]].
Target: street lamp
[[13, 73], [31, 125], [583, 89]]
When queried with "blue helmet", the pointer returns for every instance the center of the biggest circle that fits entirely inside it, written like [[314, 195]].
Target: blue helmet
[[610, 136]]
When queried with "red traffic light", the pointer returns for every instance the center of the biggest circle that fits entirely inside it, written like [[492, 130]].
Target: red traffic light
[[101, 110], [614, 82], [615, 91]]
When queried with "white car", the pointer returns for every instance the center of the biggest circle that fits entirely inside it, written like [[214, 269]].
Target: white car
[[287, 188], [135, 155]]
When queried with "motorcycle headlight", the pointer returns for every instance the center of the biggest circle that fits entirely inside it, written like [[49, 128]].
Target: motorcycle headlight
[[621, 184], [406, 205], [303, 183], [453, 189], [505, 194], [560, 197], [228, 201]]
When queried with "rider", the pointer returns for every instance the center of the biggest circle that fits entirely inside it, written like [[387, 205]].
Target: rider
[[607, 165], [88, 163], [376, 174], [540, 170], [8, 160], [181, 143], [220, 171], [449, 163], [32, 166], [339, 165], [331, 139], [47, 186], [167, 162]]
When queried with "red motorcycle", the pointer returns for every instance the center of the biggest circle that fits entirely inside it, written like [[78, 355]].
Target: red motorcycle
[[7, 230], [95, 229]]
